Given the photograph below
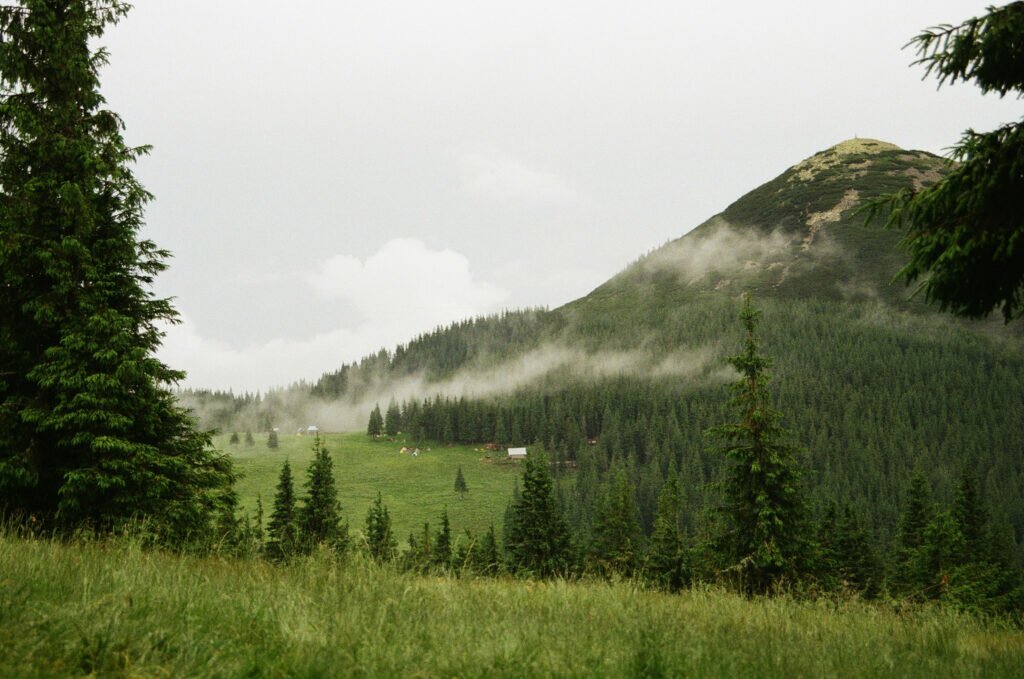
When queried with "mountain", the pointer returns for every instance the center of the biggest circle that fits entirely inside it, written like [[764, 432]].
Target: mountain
[[871, 383]]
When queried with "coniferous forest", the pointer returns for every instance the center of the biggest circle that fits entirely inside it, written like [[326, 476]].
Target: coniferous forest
[[811, 405]]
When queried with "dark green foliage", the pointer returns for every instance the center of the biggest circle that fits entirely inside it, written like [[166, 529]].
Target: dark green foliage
[[419, 557], [392, 419], [537, 536], [760, 538], [249, 440], [283, 530], [957, 557], [487, 554], [320, 515], [234, 438], [376, 423], [666, 563], [965, 234], [89, 433], [971, 519], [617, 534], [272, 441], [911, 575], [460, 483], [845, 560], [380, 542], [442, 554]]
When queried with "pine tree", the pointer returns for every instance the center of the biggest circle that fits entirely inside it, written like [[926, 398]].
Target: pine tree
[[666, 562], [489, 559], [379, 540], [460, 483], [617, 528], [249, 440], [971, 518], [376, 424], [963, 233], [909, 578], [537, 534], [392, 419], [443, 542], [283, 530], [320, 516], [272, 441], [760, 537], [234, 438], [89, 430]]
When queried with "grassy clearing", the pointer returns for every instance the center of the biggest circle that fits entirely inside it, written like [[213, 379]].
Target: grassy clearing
[[415, 489], [115, 610]]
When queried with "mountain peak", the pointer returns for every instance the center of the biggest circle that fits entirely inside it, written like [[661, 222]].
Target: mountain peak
[[841, 152]]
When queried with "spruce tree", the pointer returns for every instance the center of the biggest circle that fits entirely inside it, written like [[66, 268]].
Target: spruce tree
[[233, 440], [376, 423], [537, 539], [489, 554], [272, 440], [249, 440], [911, 575], [379, 539], [971, 518], [392, 419], [89, 430], [617, 528], [320, 516], [761, 532], [666, 561], [443, 542], [460, 483], [283, 530]]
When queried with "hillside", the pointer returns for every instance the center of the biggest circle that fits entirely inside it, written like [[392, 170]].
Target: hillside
[[871, 384]]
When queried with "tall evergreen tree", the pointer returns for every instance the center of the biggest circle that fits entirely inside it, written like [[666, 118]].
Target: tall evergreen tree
[[380, 541], [537, 534], [666, 561], [460, 483], [443, 542], [971, 518], [89, 431], [911, 575], [617, 528], [272, 440], [376, 423], [283, 530], [963, 233], [761, 532], [392, 419], [320, 516]]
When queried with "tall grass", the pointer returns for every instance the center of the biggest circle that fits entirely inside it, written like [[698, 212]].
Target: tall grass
[[114, 609]]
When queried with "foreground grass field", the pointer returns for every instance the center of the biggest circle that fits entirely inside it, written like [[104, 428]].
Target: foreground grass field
[[115, 610], [414, 489]]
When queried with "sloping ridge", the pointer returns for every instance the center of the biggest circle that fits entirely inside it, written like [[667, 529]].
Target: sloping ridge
[[800, 235]]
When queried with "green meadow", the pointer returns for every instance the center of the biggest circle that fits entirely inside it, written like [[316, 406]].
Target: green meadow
[[415, 489], [111, 609]]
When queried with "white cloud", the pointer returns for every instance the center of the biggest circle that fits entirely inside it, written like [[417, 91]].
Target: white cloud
[[403, 289], [498, 175]]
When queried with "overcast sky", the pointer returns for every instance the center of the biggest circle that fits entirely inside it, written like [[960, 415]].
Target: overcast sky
[[333, 177]]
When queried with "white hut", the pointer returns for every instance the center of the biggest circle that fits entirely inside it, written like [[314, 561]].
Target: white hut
[[517, 453]]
